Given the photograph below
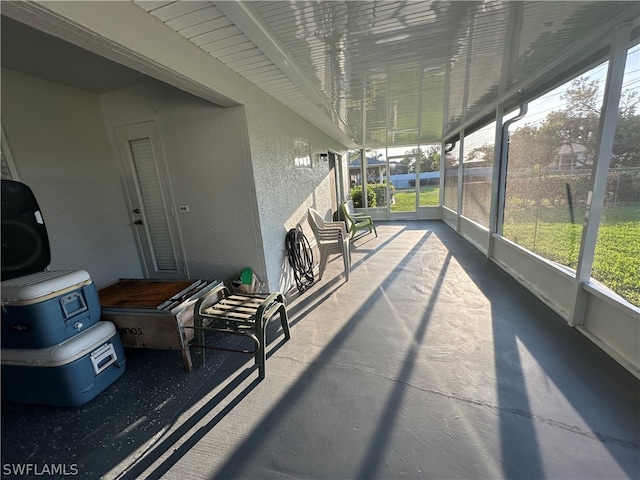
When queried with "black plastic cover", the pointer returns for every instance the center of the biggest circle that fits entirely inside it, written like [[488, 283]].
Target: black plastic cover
[[25, 243]]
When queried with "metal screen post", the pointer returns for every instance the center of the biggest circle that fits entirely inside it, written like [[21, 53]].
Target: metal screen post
[[595, 197]]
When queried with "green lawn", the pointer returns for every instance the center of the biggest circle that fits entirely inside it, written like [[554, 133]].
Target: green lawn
[[617, 257], [406, 200], [552, 233]]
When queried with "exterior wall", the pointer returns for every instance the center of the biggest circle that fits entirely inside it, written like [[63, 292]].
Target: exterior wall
[[285, 192], [207, 154], [60, 148], [125, 33]]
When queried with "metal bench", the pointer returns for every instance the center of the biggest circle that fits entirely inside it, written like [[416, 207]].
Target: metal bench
[[238, 314]]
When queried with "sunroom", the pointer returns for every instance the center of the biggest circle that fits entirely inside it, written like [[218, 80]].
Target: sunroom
[[512, 125]]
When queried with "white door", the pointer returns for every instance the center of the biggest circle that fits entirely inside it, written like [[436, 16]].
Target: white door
[[151, 204]]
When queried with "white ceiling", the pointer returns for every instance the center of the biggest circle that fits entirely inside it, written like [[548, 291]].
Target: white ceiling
[[395, 72], [370, 73]]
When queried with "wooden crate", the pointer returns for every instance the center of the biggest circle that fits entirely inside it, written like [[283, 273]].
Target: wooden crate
[[154, 313]]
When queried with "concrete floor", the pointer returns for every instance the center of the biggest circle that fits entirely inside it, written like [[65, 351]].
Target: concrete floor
[[431, 362]]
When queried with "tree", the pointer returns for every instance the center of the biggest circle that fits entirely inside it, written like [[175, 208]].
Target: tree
[[428, 161], [626, 146], [481, 153], [528, 150], [578, 122], [433, 159], [536, 146]]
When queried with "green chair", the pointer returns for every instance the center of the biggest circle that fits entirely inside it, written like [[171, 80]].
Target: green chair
[[356, 221]]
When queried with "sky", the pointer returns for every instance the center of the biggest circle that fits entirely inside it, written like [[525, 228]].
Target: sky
[[539, 108]]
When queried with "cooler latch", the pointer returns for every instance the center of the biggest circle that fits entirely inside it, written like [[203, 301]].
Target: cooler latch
[[73, 304], [103, 357]]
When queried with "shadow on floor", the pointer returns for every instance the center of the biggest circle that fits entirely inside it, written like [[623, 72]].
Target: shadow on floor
[[447, 368], [95, 437]]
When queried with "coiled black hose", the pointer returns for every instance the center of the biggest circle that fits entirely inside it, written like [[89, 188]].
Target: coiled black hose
[[300, 258]]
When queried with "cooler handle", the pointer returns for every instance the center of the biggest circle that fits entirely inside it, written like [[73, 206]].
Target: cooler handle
[[103, 357], [72, 304]]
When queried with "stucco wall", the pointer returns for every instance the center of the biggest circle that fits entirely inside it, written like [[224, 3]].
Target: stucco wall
[[125, 33], [207, 155], [59, 144], [284, 191]]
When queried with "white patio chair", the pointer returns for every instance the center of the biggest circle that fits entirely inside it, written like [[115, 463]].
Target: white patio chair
[[332, 238]]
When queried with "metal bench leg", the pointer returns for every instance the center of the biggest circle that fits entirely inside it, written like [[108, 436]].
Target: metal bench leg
[[262, 321], [284, 321], [261, 353], [284, 318], [198, 352]]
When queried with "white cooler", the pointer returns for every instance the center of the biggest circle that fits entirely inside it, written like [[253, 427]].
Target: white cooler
[[45, 308], [68, 374]]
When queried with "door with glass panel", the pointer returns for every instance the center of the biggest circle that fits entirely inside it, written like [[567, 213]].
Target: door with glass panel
[[404, 183], [150, 201]]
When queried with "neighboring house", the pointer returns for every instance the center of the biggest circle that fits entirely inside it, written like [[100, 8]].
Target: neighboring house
[[375, 169], [571, 156]]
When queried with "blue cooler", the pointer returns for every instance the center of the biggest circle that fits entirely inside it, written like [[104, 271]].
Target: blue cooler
[[68, 374], [45, 308], [40, 308]]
